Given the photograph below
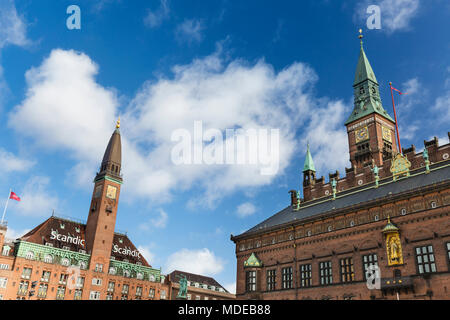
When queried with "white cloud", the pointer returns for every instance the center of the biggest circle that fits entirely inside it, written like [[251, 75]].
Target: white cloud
[[12, 32], [149, 256], [36, 200], [231, 287], [245, 209], [12, 26], [66, 109], [12, 163], [160, 221], [155, 18], [396, 15], [327, 137], [201, 261], [14, 234], [189, 31]]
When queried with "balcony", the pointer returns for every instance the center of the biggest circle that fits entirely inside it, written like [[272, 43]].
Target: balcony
[[397, 283]]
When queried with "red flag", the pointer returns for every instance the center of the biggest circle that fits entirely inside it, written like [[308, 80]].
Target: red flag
[[398, 90], [14, 196]]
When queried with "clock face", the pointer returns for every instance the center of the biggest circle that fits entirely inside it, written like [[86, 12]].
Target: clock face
[[386, 134], [362, 134], [111, 192]]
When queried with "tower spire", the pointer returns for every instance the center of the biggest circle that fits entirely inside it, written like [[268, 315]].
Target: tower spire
[[309, 163]]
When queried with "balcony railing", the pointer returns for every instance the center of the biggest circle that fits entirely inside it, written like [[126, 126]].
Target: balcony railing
[[397, 283]]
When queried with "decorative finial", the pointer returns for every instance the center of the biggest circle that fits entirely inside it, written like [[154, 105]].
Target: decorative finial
[[360, 37], [118, 123]]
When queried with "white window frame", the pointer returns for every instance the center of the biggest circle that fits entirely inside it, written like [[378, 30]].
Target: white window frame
[[94, 295]]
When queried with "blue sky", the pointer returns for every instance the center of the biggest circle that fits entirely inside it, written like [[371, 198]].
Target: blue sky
[[163, 64]]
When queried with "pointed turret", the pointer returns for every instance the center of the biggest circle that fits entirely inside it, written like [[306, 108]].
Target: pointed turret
[[366, 90], [309, 163], [112, 159], [309, 171]]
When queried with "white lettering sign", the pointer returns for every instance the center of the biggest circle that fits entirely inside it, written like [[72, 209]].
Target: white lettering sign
[[126, 251], [66, 238]]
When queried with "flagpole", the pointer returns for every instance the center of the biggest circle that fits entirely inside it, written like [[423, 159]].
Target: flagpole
[[6, 206], [395, 116]]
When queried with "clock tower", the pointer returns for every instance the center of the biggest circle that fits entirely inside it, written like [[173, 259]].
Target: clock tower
[[370, 129], [105, 199]]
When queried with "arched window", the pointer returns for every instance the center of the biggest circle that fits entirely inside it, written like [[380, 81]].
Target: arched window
[[65, 262], [112, 270], [140, 276], [126, 273], [152, 277], [29, 255], [48, 258]]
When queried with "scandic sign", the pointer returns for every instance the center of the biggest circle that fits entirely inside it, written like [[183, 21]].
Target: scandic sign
[[78, 241]]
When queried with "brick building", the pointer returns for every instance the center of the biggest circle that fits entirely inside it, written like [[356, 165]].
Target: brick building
[[199, 287], [386, 219], [65, 259]]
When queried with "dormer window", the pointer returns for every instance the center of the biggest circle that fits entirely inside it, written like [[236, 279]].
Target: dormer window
[[62, 226], [77, 229]]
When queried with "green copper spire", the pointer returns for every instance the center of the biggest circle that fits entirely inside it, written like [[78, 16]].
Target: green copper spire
[[309, 163], [366, 91]]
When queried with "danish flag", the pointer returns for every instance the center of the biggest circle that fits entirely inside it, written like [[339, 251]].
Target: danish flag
[[14, 196]]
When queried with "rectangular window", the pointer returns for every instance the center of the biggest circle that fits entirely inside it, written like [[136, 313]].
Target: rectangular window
[[94, 295], [111, 286], [98, 268], [347, 271], [125, 288], [78, 294], [189, 297], [425, 259], [368, 260], [286, 278], [326, 276], [80, 282], [197, 297], [163, 294], [42, 292], [45, 276], [271, 279], [305, 275], [60, 293], [63, 278], [3, 282], [109, 296], [96, 281], [250, 281], [151, 293], [26, 273], [23, 288], [4, 266], [448, 250], [138, 291]]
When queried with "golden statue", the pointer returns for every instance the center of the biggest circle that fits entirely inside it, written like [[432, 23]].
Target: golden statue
[[393, 244]]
